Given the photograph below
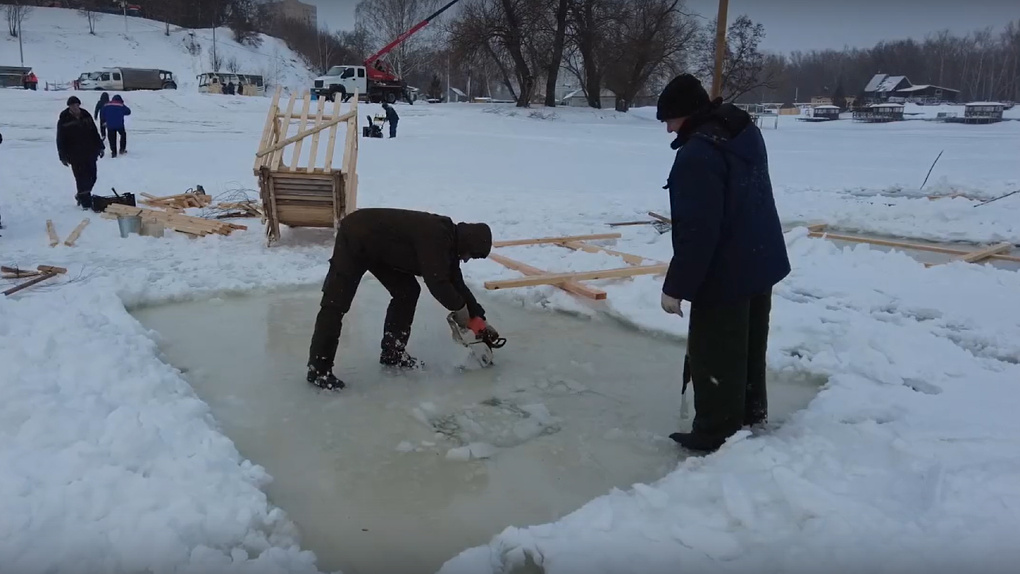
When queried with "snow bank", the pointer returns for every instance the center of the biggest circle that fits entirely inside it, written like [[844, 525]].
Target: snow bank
[[905, 460], [58, 47]]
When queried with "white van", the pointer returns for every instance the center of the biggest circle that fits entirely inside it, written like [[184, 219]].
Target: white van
[[126, 79]]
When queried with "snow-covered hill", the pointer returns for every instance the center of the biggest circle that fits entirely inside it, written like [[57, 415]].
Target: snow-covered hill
[[58, 47]]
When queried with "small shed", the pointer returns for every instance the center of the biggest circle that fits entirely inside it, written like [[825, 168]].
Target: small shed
[[983, 112], [880, 113], [824, 113], [928, 94]]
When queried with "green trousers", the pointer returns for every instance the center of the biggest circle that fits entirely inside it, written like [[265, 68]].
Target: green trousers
[[726, 348]]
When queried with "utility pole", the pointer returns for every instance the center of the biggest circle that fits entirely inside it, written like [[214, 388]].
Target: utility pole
[[720, 48], [123, 5], [21, 49], [447, 77]]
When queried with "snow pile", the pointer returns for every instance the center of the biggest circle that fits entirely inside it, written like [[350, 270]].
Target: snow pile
[[905, 461], [58, 47]]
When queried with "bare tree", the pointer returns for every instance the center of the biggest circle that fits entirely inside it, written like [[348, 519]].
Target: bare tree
[[589, 23], [554, 61], [88, 11], [215, 60], [382, 21], [744, 65], [16, 14], [652, 35], [233, 66]]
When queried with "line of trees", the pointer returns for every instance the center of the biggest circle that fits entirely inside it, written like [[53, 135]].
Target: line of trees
[[982, 65]]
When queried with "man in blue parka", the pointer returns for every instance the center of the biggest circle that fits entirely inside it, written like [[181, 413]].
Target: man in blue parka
[[113, 116], [728, 253]]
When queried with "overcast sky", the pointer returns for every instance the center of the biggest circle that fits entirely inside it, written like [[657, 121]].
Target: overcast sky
[[814, 24]]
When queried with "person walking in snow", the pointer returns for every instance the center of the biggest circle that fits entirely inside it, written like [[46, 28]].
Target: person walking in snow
[[392, 118], [98, 115], [113, 116], [79, 146], [396, 246], [728, 254]]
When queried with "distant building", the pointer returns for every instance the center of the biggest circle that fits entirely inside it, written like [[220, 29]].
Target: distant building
[[927, 93], [821, 101], [885, 88], [295, 10]]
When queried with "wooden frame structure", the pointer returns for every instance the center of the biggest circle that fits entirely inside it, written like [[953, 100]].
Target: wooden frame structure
[[570, 282], [995, 252], [302, 192]]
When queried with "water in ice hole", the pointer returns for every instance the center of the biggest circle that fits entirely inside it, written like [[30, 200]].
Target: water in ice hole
[[400, 472]]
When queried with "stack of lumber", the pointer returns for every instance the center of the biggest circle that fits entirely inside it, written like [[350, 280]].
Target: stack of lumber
[[247, 208], [196, 226], [179, 201]]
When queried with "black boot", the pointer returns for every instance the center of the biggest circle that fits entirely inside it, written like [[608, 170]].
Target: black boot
[[698, 442], [84, 200], [322, 350], [324, 379]]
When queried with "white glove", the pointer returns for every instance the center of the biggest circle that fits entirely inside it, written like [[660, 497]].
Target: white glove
[[462, 317], [671, 305]]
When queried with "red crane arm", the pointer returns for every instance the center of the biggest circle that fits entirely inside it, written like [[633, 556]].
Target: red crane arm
[[400, 39]]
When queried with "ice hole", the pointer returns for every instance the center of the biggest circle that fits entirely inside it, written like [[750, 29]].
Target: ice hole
[[400, 472]]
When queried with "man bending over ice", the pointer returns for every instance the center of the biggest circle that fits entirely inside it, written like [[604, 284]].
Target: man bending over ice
[[397, 246]]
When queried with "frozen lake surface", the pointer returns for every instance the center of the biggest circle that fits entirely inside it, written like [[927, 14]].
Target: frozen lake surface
[[399, 472]]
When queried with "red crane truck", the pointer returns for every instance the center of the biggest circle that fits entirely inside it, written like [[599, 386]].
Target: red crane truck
[[374, 79]]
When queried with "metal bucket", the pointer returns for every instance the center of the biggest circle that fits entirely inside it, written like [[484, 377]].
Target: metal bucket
[[129, 224], [152, 229]]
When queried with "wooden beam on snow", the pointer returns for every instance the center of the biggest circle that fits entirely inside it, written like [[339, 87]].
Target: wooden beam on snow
[[76, 233], [52, 232], [589, 248], [568, 286], [976, 256], [539, 240], [558, 278]]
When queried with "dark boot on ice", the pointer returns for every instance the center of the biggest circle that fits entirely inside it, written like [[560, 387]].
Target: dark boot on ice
[[400, 360], [698, 442], [324, 379]]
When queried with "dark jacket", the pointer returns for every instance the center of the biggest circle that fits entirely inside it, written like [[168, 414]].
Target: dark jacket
[[727, 238], [77, 138], [391, 114], [424, 244], [103, 100], [114, 112]]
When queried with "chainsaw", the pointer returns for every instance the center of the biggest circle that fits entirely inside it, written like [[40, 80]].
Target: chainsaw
[[480, 346]]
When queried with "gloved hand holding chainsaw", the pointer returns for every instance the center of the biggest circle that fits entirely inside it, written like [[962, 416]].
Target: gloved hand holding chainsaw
[[476, 325]]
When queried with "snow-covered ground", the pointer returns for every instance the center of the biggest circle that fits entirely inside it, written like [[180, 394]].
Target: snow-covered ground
[[907, 460], [49, 35]]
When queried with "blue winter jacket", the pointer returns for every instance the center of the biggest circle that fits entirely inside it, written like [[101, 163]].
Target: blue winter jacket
[[727, 238], [114, 112]]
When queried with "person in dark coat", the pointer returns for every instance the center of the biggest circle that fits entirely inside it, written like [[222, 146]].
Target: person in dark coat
[[728, 253], [113, 116], [103, 100], [79, 146], [392, 118], [396, 246]]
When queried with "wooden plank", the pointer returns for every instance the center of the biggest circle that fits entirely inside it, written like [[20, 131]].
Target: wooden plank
[[76, 233], [888, 243], [661, 218], [557, 278], [29, 283], [331, 143], [568, 286], [587, 247], [275, 152], [267, 131], [623, 223], [538, 240], [51, 269], [52, 232], [16, 273], [976, 256], [331, 124], [295, 160], [313, 153]]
